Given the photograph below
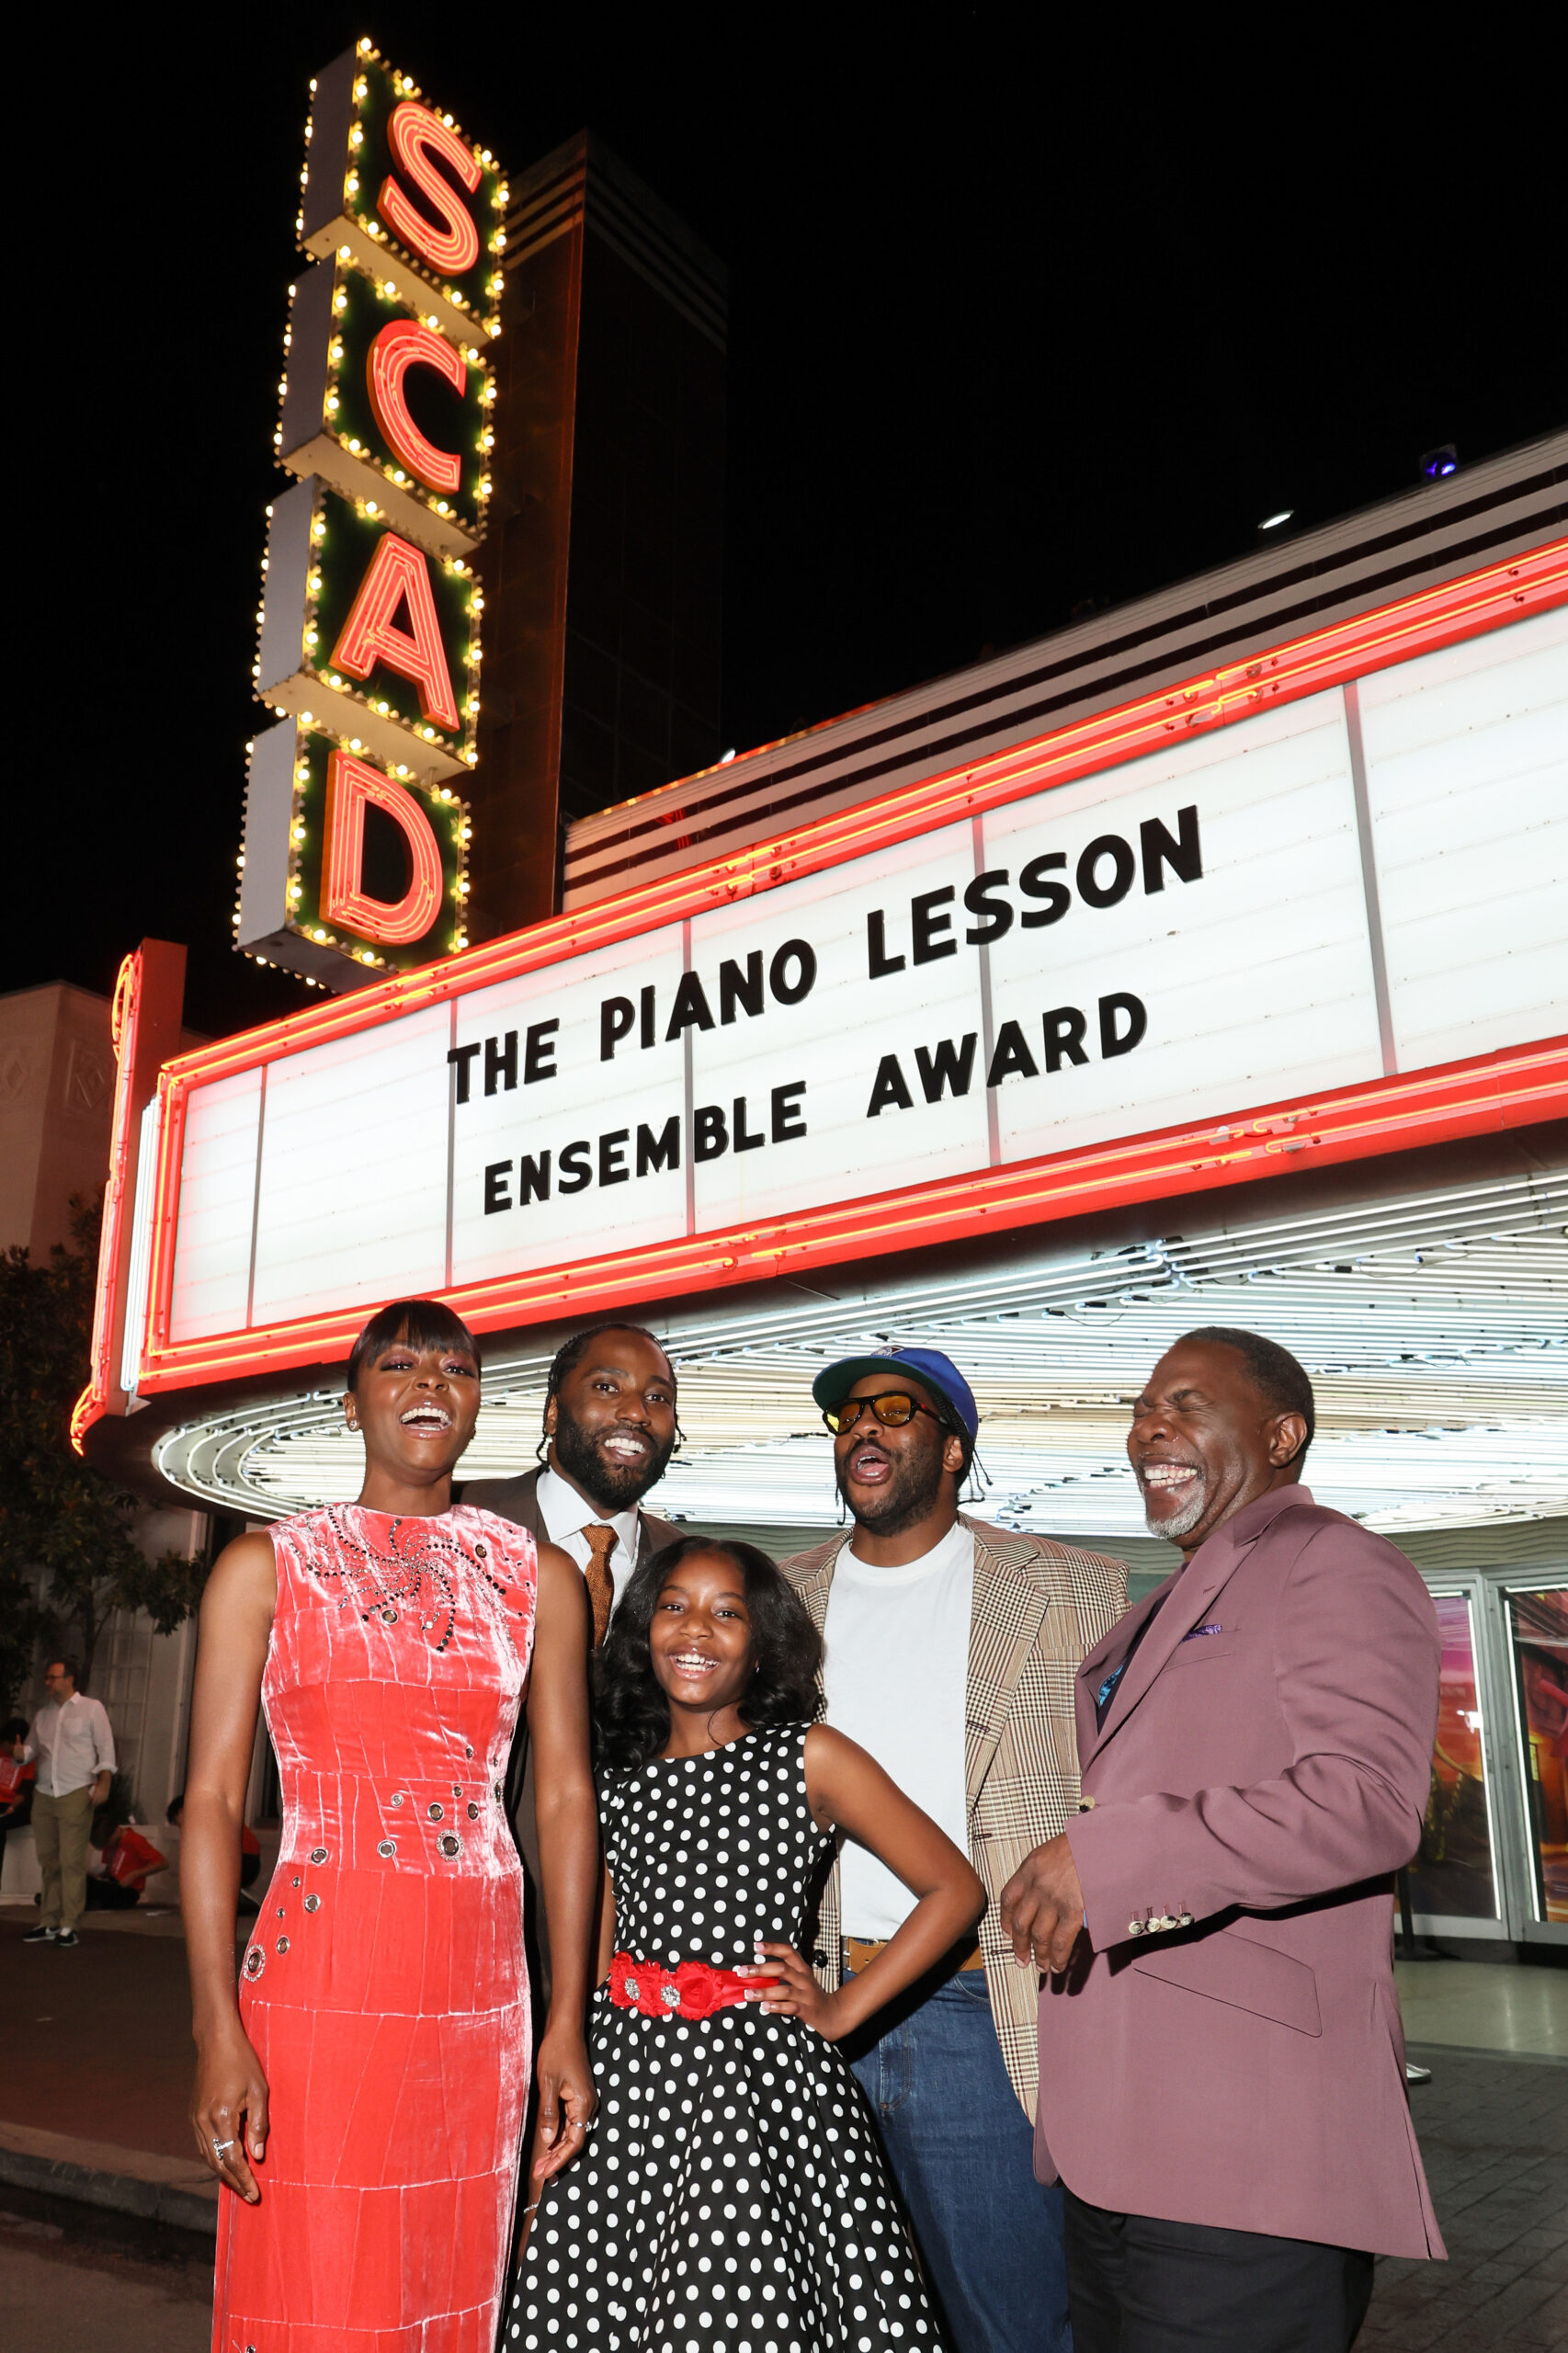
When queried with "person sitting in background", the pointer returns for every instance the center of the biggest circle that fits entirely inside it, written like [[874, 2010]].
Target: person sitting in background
[[117, 1880], [17, 1781]]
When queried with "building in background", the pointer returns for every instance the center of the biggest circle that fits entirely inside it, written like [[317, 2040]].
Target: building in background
[[57, 1086], [1198, 964]]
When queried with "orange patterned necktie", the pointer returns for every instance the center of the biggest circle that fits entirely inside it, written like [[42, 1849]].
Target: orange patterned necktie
[[600, 1542]]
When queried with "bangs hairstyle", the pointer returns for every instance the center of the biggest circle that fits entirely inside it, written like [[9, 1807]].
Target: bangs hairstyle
[[419, 1324], [631, 1708], [1279, 1380]]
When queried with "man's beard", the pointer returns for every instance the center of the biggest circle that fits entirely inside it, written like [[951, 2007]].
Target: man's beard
[[911, 1493], [614, 1486], [1180, 1523]]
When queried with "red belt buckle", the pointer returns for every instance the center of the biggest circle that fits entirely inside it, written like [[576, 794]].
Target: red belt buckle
[[692, 1989]]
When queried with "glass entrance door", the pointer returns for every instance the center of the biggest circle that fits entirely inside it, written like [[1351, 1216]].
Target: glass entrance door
[[1454, 1882], [1535, 1623]]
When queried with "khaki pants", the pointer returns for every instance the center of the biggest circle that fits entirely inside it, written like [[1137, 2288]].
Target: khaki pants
[[61, 1830]]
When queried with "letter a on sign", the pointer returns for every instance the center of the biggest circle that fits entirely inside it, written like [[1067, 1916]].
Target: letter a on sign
[[397, 576], [350, 785]]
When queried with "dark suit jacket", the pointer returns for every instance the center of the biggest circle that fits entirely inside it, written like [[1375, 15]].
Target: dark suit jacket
[[517, 1500]]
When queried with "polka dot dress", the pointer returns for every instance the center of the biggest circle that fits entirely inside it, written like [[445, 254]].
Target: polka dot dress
[[731, 2197]]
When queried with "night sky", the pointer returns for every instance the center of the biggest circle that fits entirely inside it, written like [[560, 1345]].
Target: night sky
[[1021, 317]]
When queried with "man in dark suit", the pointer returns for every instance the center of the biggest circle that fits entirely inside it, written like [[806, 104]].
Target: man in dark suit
[[609, 1429], [1221, 2064]]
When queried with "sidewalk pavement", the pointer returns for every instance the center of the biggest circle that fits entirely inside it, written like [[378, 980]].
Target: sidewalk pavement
[[96, 2059]]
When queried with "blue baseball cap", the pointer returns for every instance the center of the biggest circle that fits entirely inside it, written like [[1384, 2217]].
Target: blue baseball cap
[[929, 1366]]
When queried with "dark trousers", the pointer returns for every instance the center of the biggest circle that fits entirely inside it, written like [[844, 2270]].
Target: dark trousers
[[1136, 2285]]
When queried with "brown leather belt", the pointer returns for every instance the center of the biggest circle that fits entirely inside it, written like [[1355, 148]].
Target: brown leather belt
[[860, 1951]]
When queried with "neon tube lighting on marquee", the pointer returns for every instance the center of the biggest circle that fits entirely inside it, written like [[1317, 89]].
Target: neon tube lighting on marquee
[[123, 1016], [1514, 1087]]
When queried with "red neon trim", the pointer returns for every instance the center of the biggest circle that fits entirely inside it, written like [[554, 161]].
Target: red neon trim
[[397, 571], [1434, 618], [1485, 1096], [403, 344], [450, 242], [351, 784], [104, 1381]]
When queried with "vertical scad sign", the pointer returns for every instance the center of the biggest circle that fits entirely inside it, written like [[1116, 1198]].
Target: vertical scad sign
[[355, 846]]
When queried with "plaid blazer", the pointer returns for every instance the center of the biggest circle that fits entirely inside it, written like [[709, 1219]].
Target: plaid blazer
[[1038, 1608]]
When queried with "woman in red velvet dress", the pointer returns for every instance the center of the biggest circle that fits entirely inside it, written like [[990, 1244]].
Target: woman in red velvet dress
[[362, 2100]]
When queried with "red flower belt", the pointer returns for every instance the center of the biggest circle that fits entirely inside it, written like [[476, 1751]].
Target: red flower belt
[[692, 1989]]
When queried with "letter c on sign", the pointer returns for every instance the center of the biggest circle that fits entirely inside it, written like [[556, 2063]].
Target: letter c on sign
[[350, 784], [450, 242], [403, 344]]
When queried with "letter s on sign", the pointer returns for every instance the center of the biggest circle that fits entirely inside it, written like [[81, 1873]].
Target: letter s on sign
[[450, 242]]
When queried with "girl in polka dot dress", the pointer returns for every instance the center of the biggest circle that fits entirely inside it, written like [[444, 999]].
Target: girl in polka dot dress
[[731, 2197]]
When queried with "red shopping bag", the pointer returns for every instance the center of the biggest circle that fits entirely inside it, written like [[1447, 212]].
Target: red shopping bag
[[130, 1858]]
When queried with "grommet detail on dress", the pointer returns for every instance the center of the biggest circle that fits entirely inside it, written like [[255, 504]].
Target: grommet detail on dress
[[449, 1842], [472, 1810], [438, 1813], [313, 1902], [318, 1854], [281, 1914], [386, 1849], [457, 1791], [295, 1881], [255, 1962], [282, 1944], [389, 1617], [468, 1750], [397, 1797]]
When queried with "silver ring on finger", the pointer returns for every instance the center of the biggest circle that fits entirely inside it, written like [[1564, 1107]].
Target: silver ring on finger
[[219, 2146]]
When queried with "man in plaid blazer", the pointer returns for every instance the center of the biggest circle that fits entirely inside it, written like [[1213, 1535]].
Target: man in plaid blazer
[[951, 1653]]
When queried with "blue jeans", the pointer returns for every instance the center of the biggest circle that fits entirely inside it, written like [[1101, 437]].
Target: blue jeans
[[962, 2154]]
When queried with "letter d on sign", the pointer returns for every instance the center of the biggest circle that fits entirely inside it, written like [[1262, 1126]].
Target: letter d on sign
[[350, 784]]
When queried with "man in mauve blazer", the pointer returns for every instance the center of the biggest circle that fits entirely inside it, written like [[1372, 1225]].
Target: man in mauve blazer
[[1222, 2063]]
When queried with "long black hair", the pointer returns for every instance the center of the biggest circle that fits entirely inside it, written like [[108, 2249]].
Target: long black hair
[[631, 1708]]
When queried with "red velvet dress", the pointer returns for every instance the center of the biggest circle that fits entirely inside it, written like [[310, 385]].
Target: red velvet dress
[[384, 1987]]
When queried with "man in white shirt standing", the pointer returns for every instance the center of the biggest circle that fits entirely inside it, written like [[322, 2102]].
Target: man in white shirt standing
[[609, 1429], [74, 1748], [951, 1650]]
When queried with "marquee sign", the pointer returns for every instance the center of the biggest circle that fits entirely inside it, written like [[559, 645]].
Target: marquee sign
[[1305, 908], [368, 645]]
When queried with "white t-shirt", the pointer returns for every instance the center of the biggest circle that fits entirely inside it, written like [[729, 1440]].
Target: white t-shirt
[[565, 1513], [897, 1681]]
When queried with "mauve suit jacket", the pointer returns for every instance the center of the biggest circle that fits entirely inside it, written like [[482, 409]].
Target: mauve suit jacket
[[1263, 1766]]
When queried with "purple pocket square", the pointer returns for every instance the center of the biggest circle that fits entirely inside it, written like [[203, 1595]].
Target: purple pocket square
[[1214, 1629]]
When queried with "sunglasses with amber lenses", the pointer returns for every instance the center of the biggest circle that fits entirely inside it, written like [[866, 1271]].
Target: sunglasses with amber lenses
[[893, 1408]]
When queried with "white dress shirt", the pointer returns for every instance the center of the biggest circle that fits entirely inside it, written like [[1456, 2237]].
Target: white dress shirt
[[72, 1743], [565, 1514], [896, 1678]]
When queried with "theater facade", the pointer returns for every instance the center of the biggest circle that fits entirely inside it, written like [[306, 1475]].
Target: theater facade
[[1204, 962]]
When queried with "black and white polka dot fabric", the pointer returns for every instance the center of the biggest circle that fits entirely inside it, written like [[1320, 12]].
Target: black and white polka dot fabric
[[731, 2197]]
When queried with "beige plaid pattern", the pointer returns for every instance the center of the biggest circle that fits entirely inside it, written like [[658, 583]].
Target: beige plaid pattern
[[1038, 1609]]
